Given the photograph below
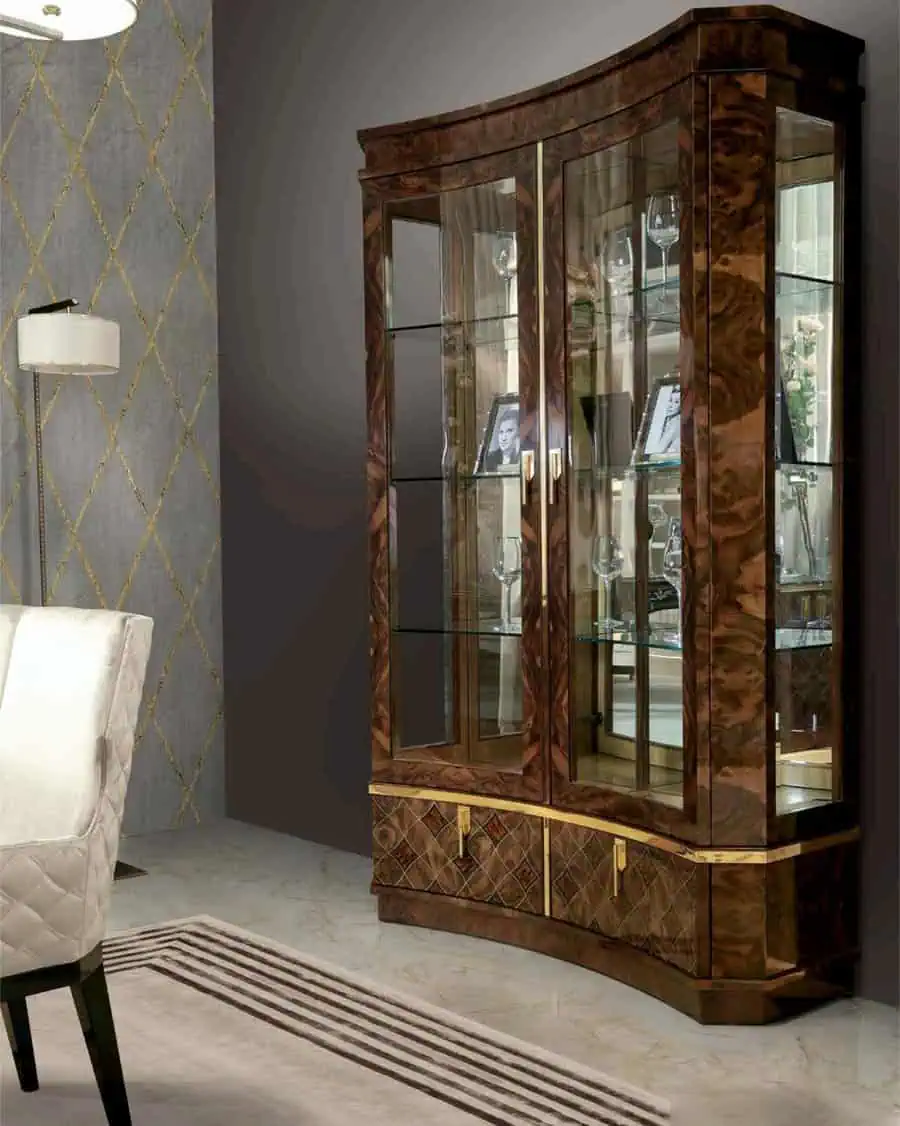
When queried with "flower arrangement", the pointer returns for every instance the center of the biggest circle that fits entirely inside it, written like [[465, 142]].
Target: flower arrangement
[[799, 366], [799, 370]]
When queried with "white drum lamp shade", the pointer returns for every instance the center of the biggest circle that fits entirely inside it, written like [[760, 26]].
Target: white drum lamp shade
[[66, 19], [69, 344]]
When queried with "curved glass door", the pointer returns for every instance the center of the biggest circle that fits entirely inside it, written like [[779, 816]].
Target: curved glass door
[[630, 528], [807, 443], [623, 208], [464, 562]]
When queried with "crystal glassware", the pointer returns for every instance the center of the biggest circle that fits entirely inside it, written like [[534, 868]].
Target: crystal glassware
[[607, 563], [507, 570], [658, 518], [505, 260], [672, 566], [664, 229], [618, 261]]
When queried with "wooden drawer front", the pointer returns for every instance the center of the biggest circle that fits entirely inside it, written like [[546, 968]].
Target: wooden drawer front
[[660, 896], [416, 846]]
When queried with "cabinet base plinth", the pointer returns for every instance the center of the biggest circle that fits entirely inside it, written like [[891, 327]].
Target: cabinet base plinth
[[708, 1001]]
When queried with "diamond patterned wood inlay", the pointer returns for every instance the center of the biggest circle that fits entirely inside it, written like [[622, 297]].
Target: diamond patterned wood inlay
[[416, 846], [657, 909]]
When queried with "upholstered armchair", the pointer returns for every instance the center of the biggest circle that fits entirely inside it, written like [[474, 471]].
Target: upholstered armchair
[[71, 683]]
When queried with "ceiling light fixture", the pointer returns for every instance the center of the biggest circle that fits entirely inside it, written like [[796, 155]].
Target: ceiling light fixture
[[66, 20]]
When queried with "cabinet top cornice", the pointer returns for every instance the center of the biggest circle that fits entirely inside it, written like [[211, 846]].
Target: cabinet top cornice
[[704, 40]]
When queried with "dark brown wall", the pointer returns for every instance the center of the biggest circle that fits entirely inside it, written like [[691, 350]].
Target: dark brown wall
[[295, 79]]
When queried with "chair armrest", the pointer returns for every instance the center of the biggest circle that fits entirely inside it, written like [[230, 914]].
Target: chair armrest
[[54, 893], [44, 908]]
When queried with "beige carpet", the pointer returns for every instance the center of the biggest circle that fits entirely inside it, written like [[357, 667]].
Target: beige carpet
[[218, 1027]]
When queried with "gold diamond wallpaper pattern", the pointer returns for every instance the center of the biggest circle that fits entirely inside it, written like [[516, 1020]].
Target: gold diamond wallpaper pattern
[[107, 176]]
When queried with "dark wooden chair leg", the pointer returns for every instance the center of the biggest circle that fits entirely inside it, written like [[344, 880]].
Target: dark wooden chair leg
[[15, 1017], [94, 1012]]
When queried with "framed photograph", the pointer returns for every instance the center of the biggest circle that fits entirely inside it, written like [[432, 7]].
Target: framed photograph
[[500, 450], [659, 436]]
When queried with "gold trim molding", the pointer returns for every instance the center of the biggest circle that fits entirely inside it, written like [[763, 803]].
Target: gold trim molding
[[615, 829]]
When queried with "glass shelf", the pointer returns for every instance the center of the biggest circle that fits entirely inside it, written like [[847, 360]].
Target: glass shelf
[[802, 286], [463, 480], [486, 627], [485, 329], [787, 639], [795, 638], [671, 469], [587, 321], [653, 639], [803, 469]]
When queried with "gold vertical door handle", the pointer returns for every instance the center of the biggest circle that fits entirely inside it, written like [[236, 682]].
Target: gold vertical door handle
[[556, 464], [620, 863], [527, 468], [463, 828]]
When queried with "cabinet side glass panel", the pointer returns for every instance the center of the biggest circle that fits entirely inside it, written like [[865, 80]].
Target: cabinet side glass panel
[[455, 477], [622, 208], [807, 444]]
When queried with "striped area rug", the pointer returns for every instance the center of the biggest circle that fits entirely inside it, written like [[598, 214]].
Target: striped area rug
[[488, 1076]]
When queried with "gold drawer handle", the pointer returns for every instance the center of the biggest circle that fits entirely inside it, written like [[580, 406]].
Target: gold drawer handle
[[463, 828], [620, 863], [556, 468], [527, 469]]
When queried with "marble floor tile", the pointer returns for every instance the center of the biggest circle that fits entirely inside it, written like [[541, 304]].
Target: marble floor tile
[[839, 1066]]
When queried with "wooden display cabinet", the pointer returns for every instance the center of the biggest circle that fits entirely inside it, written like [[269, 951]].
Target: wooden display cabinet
[[612, 335]]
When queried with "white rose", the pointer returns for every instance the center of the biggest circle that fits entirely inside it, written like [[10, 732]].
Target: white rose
[[793, 384]]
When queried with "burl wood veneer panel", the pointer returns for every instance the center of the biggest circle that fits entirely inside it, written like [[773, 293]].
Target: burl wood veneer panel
[[377, 477], [797, 914], [756, 37], [416, 847], [662, 900], [741, 203]]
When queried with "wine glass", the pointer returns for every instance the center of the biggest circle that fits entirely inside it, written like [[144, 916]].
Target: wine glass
[[507, 570], [672, 565], [607, 564], [618, 260], [664, 229], [659, 518], [780, 568], [505, 258]]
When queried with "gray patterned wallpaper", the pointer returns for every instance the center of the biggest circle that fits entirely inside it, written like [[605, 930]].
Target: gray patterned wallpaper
[[107, 177]]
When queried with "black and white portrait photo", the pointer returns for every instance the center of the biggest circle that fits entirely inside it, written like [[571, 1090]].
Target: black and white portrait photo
[[659, 438], [501, 448]]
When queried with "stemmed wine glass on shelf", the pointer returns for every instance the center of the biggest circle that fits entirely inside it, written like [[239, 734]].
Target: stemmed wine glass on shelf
[[664, 229], [659, 518], [672, 566], [618, 266], [607, 563], [507, 570], [505, 260]]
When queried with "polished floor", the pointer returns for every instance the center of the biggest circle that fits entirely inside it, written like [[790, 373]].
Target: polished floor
[[837, 1067]]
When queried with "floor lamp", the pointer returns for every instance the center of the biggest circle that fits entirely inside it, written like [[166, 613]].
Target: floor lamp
[[55, 341]]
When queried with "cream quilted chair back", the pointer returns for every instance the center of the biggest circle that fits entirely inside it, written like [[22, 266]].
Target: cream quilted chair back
[[71, 683]]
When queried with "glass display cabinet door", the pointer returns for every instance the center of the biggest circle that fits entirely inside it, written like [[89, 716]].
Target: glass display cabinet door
[[620, 374], [808, 444], [457, 325]]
